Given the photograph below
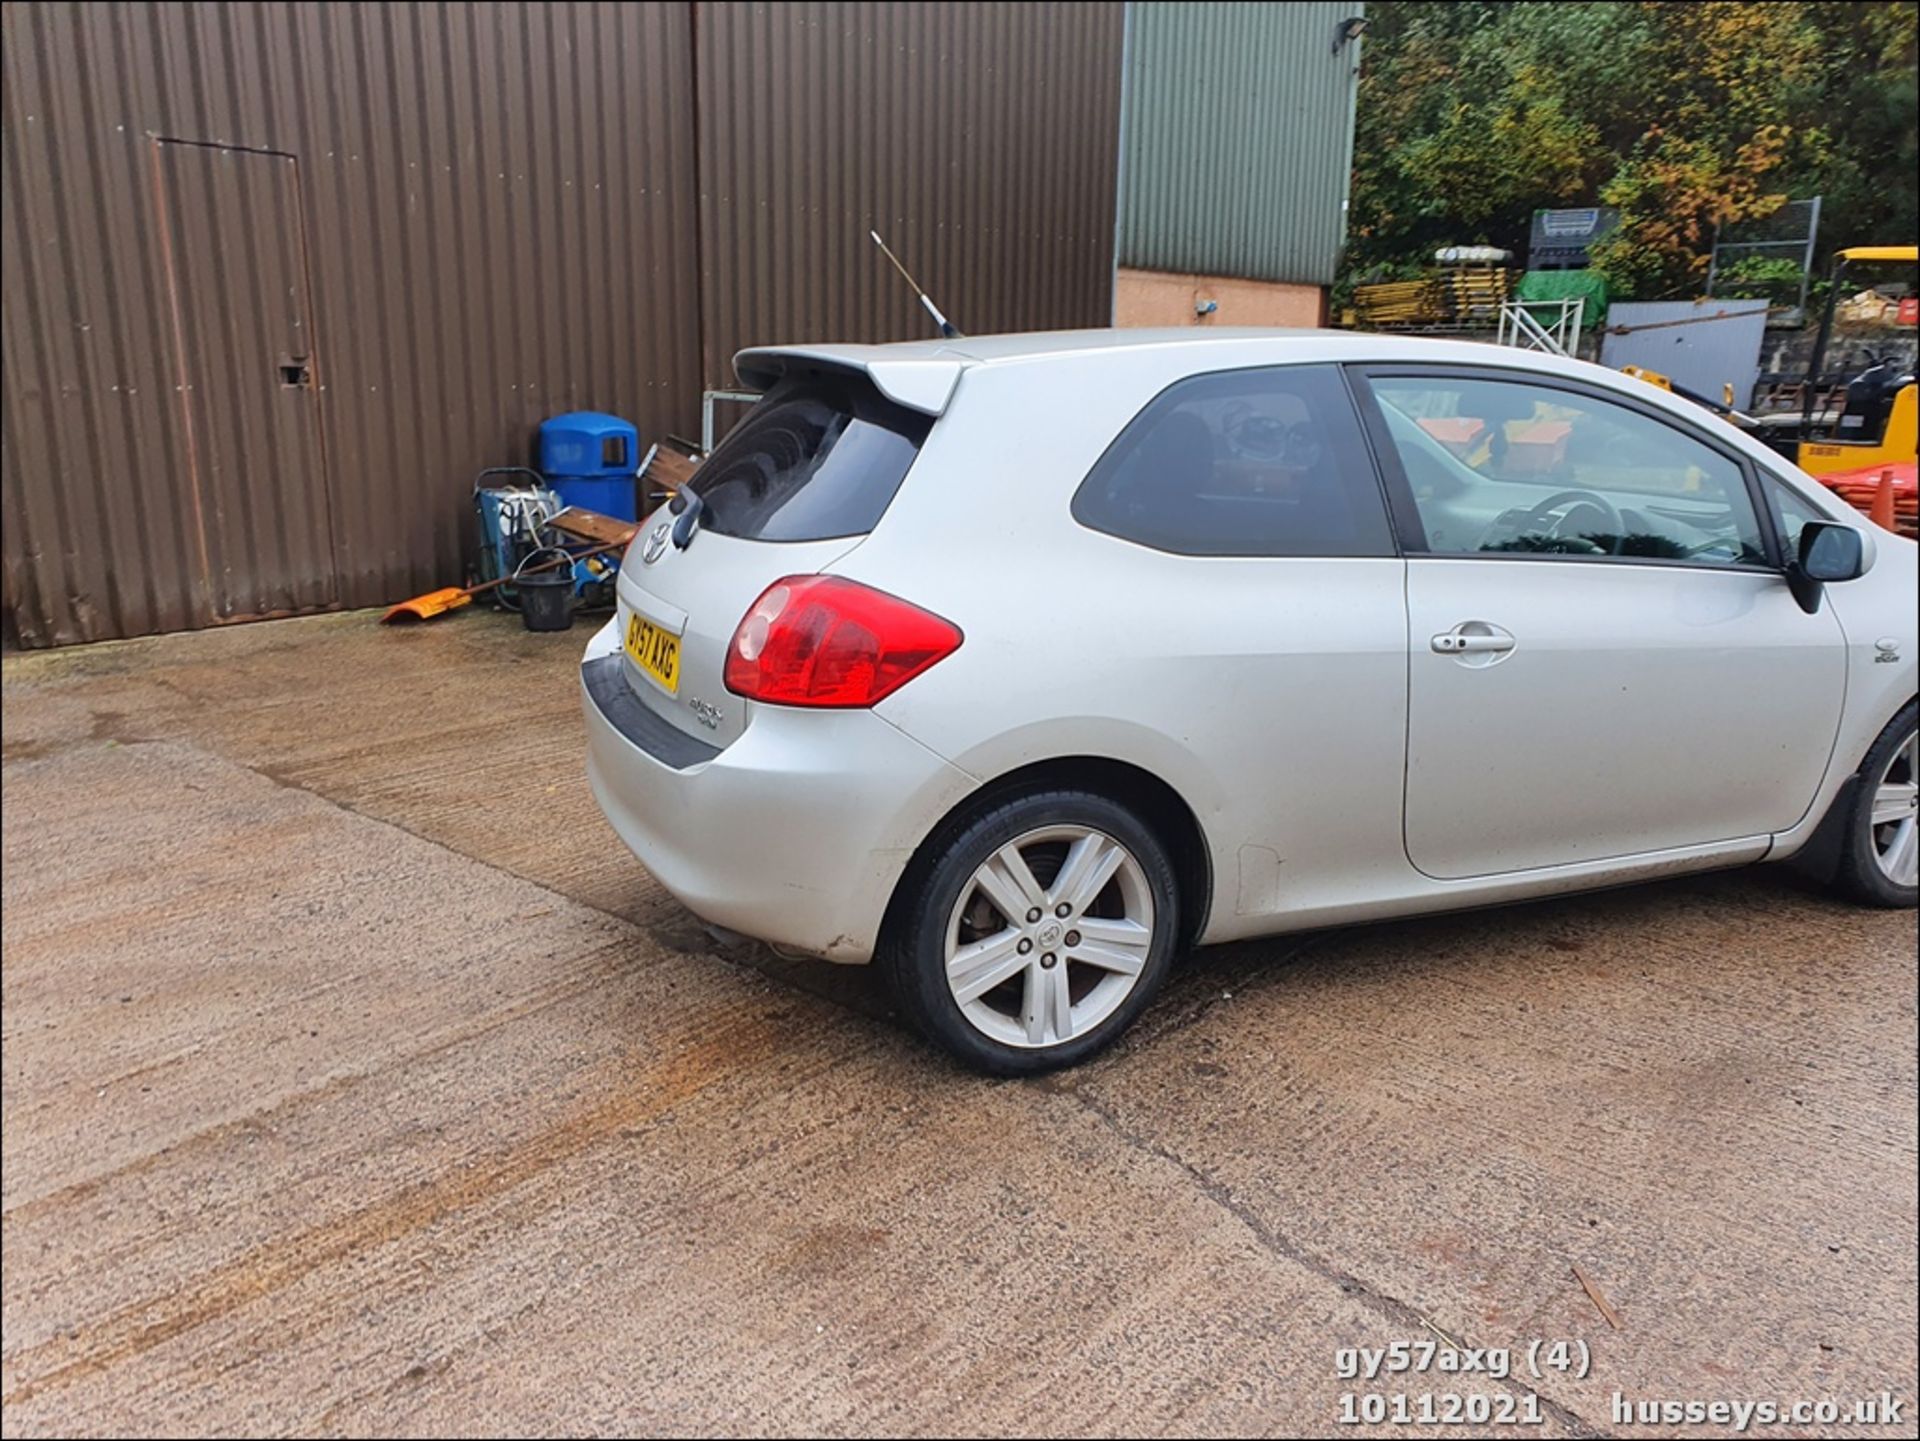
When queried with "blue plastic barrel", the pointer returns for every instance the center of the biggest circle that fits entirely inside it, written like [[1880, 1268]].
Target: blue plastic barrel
[[591, 459]]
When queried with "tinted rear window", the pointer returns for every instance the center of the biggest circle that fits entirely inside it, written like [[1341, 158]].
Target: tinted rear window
[[1267, 462], [819, 458]]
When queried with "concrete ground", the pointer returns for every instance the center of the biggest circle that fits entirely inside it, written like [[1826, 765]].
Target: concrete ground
[[357, 1081]]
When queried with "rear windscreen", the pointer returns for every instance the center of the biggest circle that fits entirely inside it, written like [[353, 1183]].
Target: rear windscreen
[[819, 458]]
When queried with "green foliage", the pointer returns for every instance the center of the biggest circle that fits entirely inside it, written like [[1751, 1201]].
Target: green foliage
[[1473, 115], [1760, 277]]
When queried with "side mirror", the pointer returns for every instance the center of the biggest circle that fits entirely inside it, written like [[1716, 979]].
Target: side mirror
[[1829, 552]]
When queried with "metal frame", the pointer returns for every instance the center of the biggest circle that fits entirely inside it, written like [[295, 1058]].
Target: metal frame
[[1561, 336], [1806, 258], [1842, 259], [708, 399]]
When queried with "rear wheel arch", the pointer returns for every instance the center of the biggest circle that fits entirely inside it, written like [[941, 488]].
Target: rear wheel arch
[[1158, 805]]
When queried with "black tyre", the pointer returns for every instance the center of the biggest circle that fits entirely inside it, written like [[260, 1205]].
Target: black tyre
[[1029, 936], [1878, 837]]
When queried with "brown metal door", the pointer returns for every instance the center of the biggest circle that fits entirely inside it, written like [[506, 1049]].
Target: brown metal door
[[244, 366]]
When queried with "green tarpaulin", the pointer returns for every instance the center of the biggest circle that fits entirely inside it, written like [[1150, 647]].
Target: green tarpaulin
[[1567, 285]]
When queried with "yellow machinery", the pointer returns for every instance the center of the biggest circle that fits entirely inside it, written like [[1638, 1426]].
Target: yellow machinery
[[1897, 442], [1724, 405], [1869, 460], [1878, 425]]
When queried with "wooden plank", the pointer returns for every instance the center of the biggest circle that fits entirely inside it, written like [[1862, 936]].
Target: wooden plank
[[593, 526], [663, 472], [669, 469]]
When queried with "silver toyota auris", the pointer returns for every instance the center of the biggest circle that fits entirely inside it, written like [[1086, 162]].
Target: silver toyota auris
[[1019, 664]]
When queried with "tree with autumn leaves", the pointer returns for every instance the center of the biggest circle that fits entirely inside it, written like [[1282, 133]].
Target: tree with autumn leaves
[[1474, 114]]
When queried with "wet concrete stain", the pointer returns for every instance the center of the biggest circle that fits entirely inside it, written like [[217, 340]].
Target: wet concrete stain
[[637, 1099]]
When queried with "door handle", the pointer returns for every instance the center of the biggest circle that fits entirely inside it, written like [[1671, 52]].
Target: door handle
[[1473, 637]]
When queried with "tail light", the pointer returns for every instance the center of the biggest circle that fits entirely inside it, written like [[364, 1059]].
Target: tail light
[[818, 640]]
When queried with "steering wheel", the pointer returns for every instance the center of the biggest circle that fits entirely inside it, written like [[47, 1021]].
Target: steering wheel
[[1569, 500]]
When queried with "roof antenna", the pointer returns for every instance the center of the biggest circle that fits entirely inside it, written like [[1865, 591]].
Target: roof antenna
[[948, 329]]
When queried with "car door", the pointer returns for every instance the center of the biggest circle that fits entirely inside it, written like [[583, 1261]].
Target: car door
[[1259, 617], [1604, 658]]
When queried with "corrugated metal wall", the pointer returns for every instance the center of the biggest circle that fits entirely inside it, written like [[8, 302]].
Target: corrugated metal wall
[[280, 278], [1239, 139], [981, 140], [491, 207]]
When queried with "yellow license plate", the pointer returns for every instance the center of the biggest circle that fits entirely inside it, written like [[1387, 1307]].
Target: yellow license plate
[[655, 652]]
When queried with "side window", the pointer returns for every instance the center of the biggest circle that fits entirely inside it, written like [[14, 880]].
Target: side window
[[1244, 462], [1510, 466], [1793, 515]]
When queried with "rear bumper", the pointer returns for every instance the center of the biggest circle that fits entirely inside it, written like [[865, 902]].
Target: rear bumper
[[794, 834]]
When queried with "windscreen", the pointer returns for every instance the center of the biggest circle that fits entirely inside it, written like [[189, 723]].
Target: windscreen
[[819, 458]]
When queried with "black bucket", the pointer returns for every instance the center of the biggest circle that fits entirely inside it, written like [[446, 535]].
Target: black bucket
[[546, 598]]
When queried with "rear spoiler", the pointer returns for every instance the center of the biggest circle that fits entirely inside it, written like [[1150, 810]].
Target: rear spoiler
[[922, 385]]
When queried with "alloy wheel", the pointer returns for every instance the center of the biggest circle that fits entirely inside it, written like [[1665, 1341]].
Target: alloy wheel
[[1896, 808], [1049, 936]]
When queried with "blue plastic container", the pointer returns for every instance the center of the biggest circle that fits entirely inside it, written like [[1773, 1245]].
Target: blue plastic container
[[591, 459]]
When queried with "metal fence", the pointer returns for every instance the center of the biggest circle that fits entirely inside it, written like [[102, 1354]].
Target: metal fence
[[1790, 233]]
